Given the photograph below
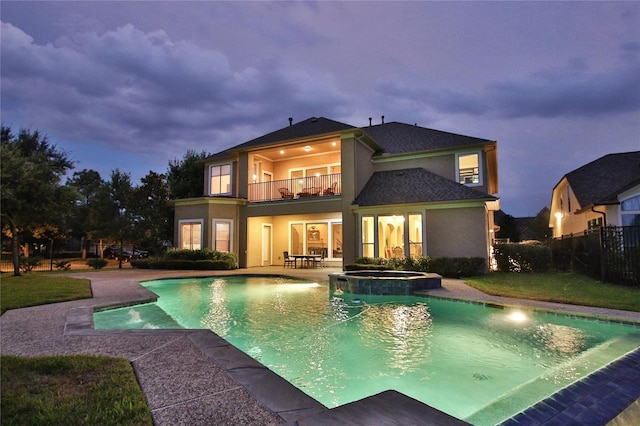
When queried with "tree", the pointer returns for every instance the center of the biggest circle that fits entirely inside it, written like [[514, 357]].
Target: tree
[[86, 184], [508, 227], [113, 213], [185, 176], [32, 196], [154, 215]]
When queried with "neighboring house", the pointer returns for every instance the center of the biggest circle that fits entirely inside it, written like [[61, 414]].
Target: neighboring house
[[603, 192], [324, 187], [516, 229]]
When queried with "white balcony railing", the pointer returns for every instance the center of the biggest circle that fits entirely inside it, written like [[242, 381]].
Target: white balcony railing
[[296, 189]]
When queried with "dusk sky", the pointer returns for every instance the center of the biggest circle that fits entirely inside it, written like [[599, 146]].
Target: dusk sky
[[133, 85]]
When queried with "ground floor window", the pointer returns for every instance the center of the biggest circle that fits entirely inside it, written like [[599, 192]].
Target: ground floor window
[[222, 230], [336, 240], [415, 235], [368, 237], [392, 235], [317, 237], [190, 234], [631, 211]]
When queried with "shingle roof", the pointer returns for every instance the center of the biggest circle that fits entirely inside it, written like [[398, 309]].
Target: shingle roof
[[415, 185], [398, 138], [309, 127], [600, 181]]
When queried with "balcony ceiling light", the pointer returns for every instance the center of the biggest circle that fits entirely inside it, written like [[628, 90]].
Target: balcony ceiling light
[[307, 148], [282, 151]]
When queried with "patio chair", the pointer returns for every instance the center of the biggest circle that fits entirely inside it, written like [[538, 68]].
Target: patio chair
[[288, 260], [285, 193], [316, 261], [331, 190], [306, 192]]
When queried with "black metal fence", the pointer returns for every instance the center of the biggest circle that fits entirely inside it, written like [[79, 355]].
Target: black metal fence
[[33, 263], [610, 254]]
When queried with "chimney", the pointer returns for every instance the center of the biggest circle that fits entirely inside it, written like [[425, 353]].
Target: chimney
[[369, 121], [290, 121], [383, 119]]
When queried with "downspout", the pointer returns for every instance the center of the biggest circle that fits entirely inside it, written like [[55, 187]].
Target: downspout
[[602, 262], [604, 215]]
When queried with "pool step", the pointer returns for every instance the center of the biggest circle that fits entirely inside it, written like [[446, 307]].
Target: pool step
[[542, 387], [386, 408]]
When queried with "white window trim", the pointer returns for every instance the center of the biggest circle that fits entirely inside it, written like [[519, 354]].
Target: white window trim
[[209, 189], [213, 231], [622, 199], [328, 166], [480, 168], [405, 214], [304, 223], [182, 222]]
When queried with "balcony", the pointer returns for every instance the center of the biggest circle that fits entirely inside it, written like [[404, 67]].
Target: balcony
[[304, 188]]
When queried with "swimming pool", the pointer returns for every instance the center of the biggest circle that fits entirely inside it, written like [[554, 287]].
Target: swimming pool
[[476, 363]]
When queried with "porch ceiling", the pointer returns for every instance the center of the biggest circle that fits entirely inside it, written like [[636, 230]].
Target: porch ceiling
[[286, 152]]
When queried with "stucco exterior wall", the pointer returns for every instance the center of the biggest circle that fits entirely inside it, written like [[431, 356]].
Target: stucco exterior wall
[[280, 234], [457, 232], [354, 178], [443, 165], [206, 209]]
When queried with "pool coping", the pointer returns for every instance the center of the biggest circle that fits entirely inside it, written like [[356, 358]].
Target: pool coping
[[293, 406], [599, 396]]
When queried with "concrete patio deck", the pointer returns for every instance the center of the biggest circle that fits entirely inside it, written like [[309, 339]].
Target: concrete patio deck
[[194, 377]]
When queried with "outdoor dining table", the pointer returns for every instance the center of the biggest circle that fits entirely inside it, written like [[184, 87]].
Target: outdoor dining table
[[306, 259]]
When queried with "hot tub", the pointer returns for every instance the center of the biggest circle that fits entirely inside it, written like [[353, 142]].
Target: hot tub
[[383, 283]]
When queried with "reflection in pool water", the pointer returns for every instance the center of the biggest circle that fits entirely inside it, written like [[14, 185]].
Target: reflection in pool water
[[465, 359]]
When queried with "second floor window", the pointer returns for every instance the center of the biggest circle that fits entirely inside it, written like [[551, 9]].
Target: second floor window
[[469, 168], [220, 180]]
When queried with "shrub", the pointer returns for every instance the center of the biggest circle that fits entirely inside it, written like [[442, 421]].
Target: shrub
[[203, 254], [452, 267], [63, 265], [369, 261], [457, 267], [28, 263], [366, 267], [97, 263], [226, 263], [528, 256]]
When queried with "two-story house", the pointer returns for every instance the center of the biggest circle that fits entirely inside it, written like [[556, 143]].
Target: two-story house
[[325, 187], [605, 191]]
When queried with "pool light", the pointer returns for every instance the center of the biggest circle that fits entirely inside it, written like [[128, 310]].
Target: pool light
[[517, 316]]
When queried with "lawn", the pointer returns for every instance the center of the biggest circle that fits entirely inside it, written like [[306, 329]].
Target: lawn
[[64, 389], [573, 289], [33, 289], [72, 389]]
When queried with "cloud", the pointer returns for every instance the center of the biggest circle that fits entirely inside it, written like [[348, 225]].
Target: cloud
[[141, 91], [559, 93], [571, 91]]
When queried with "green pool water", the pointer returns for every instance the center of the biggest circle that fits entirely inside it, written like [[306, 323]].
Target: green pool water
[[481, 364]]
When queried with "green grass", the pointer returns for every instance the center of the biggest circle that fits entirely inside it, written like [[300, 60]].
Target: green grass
[[72, 390], [33, 289], [573, 289]]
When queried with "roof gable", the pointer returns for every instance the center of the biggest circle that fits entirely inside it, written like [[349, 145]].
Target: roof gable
[[397, 138], [600, 181], [415, 185], [310, 127]]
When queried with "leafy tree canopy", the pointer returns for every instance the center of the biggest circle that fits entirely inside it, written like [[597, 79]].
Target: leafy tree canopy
[[32, 197], [185, 176]]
